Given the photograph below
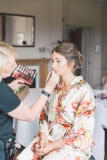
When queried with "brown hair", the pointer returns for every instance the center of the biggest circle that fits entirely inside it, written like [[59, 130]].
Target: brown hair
[[71, 53]]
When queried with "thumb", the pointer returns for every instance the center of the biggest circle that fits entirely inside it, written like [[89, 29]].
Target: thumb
[[41, 143]]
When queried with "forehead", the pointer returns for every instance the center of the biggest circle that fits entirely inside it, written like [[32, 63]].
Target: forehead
[[56, 55]]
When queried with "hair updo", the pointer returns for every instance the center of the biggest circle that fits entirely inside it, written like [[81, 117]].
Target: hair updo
[[71, 53]]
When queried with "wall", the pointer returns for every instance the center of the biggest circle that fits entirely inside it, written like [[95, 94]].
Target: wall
[[0, 29], [48, 23], [87, 14], [50, 28], [104, 55]]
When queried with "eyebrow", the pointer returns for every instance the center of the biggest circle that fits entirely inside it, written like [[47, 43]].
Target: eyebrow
[[56, 58]]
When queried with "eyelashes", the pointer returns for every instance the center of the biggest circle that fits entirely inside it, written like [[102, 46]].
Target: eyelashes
[[57, 61]]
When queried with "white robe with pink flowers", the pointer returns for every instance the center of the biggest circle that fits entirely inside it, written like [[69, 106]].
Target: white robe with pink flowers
[[70, 117]]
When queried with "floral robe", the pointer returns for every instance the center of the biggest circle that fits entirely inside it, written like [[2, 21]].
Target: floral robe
[[70, 117], [67, 117]]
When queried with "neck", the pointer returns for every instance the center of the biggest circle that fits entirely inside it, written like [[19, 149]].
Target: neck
[[66, 80]]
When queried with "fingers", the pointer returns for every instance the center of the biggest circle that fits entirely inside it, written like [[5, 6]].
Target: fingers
[[48, 77], [19, 81], [54, 77], [36, 149], [34, 146], [41, 144]]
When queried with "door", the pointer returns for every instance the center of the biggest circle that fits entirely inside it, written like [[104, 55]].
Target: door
[[81, 37], [85, 51], [75, 37]]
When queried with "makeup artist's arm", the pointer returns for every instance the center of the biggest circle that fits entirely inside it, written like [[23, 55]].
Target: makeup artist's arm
[[26, 113]]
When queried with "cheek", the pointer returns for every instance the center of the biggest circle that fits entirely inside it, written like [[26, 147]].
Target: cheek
[[63, 68], [8, 70]]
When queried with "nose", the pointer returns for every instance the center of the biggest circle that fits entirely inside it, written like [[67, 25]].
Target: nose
[[53, 65], [15, 65]]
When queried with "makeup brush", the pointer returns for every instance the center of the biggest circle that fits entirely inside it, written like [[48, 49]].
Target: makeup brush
[[49, 77]]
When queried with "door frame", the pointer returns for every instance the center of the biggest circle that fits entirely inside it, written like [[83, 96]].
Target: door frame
[[90, 29]]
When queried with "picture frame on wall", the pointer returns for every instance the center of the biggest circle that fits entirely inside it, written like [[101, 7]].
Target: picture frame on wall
[[97, 48]]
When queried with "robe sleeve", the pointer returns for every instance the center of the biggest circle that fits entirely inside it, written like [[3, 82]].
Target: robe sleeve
[[43, 121], [81, 134]]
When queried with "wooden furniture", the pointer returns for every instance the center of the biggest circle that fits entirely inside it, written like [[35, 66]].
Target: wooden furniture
[[43, 67]]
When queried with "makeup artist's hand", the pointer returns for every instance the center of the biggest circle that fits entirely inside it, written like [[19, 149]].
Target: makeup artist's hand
[[52, 79], [15, 84], [49, 76]]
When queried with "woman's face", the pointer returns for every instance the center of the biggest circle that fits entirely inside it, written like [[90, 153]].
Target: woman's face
[[10, 67], [60, 64]]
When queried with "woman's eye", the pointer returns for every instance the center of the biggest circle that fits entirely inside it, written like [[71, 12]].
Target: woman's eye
[[56, 61]]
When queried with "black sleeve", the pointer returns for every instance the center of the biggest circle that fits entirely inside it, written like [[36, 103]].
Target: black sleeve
[[8, 99]]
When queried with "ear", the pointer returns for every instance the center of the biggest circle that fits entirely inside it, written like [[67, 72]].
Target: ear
[[71, 64]]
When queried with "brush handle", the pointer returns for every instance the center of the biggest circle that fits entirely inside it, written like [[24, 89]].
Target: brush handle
[[49, 77]]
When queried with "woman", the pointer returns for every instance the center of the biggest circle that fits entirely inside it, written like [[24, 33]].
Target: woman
[[10, 105], [67, 120]]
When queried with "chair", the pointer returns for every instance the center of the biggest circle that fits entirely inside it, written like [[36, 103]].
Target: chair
[[92, 158], [99, 134]]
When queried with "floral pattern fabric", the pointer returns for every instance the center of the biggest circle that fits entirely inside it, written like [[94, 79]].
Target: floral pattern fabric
[[70, 117]]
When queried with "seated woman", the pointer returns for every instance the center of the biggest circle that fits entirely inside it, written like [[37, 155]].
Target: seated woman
[[67, 120]]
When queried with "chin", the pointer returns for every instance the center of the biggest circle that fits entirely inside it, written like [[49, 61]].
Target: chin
[[57, 73]]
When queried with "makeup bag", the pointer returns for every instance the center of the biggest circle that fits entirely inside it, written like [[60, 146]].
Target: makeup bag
[[8, 149]]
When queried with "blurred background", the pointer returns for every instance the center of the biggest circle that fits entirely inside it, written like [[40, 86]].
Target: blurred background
[[83, 22]]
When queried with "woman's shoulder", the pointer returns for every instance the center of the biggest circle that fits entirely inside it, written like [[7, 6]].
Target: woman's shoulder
[[4, 88], [84, 86], [8, 99]]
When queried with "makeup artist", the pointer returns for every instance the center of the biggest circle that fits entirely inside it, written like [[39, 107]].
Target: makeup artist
[[11, 106]]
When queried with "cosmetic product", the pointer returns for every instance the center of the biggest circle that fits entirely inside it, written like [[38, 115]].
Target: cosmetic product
[[25, 74]]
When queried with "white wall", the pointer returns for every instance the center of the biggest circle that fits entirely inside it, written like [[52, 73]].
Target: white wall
[[0, 29], [48, 22], [104, 43], [49, 26], [87, 14]]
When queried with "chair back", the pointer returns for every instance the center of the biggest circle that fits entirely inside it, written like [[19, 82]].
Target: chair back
[[98, 135]]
